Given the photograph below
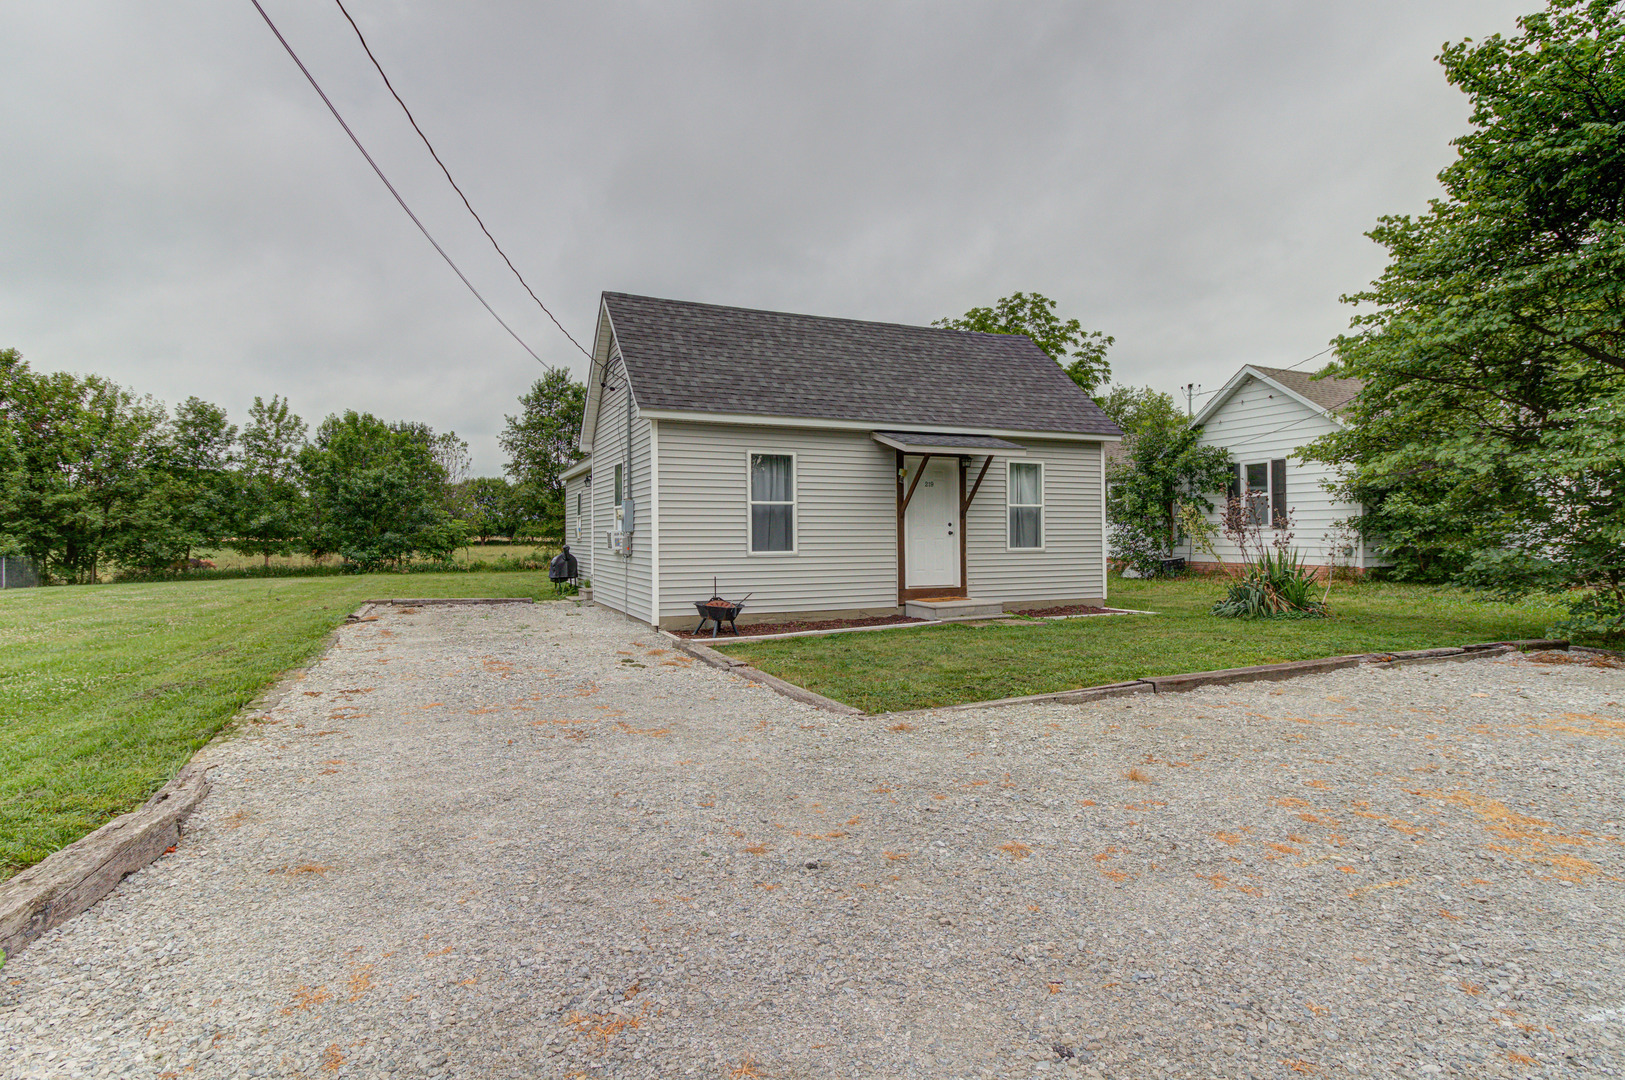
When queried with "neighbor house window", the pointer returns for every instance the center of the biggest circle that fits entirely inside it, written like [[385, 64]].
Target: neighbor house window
[[1264, 494], [1025, 498], [772, 502]]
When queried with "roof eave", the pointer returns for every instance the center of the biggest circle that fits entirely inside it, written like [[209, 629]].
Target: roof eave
[[765, 420]]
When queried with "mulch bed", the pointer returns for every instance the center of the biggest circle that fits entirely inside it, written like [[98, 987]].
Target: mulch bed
[[798, 627], [1070, 609]]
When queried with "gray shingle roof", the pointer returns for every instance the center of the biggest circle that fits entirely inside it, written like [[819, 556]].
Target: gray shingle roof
[[1329, 394], [704, 358]]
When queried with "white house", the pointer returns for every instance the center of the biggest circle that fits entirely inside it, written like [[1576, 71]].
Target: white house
[[1264, 416], [831, 468]]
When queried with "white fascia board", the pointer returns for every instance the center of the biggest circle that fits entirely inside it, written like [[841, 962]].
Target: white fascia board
[[1239, 378], [577, 469], [602, 342], [752, 420]]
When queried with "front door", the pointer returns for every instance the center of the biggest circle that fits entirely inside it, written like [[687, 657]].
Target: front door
[[931, 526]]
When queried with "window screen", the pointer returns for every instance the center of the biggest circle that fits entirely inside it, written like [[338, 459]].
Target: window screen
[[1258, 488], [1026, 502], [620, 494], [772, 502]]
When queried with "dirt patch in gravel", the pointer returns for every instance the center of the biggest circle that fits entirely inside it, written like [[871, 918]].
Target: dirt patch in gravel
[[755, 629], [541, 842]]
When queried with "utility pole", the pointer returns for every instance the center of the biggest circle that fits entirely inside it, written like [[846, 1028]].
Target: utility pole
[[1190, 395]]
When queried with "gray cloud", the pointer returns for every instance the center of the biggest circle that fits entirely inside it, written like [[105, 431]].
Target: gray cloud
[[178, 211]]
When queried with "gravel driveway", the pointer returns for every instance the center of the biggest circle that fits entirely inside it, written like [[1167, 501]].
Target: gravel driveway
[[532, 842]]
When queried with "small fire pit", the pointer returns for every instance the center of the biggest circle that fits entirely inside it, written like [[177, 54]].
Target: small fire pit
[[717, 611]]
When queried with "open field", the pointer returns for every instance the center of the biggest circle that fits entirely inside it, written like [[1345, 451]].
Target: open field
[[893, 670], [106, 691], [496, 551]]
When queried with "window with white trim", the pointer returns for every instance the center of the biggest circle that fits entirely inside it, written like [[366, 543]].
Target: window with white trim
[[1024, 497], [772, 503], [1261, 487]]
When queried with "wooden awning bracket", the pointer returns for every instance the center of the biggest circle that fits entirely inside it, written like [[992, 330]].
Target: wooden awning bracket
[[976, 486], [918, 473]]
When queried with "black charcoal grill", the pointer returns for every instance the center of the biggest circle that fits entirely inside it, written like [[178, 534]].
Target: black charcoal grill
[[718, 611]]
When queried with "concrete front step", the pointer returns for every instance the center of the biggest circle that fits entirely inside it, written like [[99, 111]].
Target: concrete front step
[[954, 608]]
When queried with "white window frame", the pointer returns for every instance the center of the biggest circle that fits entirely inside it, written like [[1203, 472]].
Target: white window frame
[[794, 504], [1043, 510]]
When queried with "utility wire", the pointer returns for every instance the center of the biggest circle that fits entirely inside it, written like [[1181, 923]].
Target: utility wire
[[332, 109], [362, 38]]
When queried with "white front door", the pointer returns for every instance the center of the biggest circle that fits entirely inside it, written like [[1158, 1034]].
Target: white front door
[[931, 526]]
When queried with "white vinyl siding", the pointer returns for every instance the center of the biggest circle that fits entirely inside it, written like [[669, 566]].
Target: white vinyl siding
[[578, 522], [845, 520], [1260, 424], [1071, 564], [625, 584]]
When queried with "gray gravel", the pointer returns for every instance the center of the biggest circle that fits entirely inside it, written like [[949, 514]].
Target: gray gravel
[[531, 842]]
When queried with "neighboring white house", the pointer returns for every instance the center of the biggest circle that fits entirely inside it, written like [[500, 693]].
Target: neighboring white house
[[831, 468], [1264, 416]]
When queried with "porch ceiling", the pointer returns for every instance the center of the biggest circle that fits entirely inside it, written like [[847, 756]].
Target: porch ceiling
[[946, 443]]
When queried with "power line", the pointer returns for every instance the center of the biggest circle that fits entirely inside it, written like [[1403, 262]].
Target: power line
[[1306, 359], [332, 109], [1289, 367], [362, 38]]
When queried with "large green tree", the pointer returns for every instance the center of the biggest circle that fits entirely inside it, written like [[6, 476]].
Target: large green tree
[[376, 492], [1490, 436], [271, 506], [541, 443], [85, 457], [1082, 353], [1140, 408], [1162, 464]]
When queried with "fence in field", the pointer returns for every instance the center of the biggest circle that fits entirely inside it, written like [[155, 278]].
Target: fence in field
[[17, 573]]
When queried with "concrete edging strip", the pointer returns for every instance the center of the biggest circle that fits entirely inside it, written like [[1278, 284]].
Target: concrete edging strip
[[74, 879], [745, 671], [1173, 684]]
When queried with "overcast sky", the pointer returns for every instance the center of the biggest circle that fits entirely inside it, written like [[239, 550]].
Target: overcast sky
[[180, 213]]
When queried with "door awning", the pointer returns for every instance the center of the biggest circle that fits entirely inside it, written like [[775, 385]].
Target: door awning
[[946, 443]]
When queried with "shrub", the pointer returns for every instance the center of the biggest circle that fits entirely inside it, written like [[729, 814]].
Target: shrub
[[1275, 581], [1138, 548]]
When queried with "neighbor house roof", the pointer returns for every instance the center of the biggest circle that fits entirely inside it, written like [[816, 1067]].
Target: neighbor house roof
[[1329, 396], [686, 357]]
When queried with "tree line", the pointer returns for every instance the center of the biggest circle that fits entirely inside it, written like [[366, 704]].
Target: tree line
[[96, 477]]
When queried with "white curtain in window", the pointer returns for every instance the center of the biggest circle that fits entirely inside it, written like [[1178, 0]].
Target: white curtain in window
[[1026, 515], [770, 479], [772, 510], [1024, 484]]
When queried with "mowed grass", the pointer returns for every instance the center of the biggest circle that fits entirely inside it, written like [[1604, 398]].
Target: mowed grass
[[495, 551], [891, 670], [107, 690]]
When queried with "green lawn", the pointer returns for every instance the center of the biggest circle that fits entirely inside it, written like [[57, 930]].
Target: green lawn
[[495, 551], [107, 690], [890, 670]]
